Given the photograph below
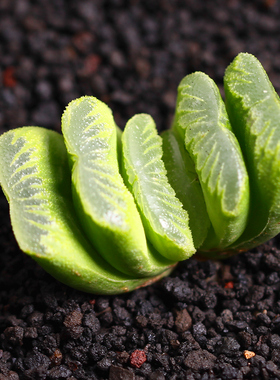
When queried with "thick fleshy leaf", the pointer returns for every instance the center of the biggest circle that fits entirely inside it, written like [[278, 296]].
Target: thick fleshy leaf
[[184, 180], [105, 206], [164, 219], [202, 122], [35, 178], [254, 110]]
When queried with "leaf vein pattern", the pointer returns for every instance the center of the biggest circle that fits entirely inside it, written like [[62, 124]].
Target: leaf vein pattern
[[148, 138], [152, 147], [109, 187]]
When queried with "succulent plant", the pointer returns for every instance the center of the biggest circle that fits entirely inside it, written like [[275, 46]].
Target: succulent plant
[[107, 211]]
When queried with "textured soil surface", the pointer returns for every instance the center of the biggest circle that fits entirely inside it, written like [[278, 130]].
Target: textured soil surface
[[208, 320]]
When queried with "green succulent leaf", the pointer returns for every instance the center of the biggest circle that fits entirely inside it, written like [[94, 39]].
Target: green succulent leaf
[[202, 122], [36, 180], [105, 206], [254, 110], [164, 219], [184, 180]]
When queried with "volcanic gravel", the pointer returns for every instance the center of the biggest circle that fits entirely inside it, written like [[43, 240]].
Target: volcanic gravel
[[208, 320]]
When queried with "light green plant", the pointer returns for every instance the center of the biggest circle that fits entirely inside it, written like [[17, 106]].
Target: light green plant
[[106, 212]]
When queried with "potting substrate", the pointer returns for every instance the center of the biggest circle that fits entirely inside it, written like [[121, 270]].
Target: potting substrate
[[208, 319]]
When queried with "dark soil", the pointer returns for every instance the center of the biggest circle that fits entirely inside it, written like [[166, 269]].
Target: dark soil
[[209, 320]]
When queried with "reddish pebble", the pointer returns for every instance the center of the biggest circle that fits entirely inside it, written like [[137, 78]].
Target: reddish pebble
[[229, 285], [137, 358], [8, 77], [91, 64], [56, 358], [269, 3]]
